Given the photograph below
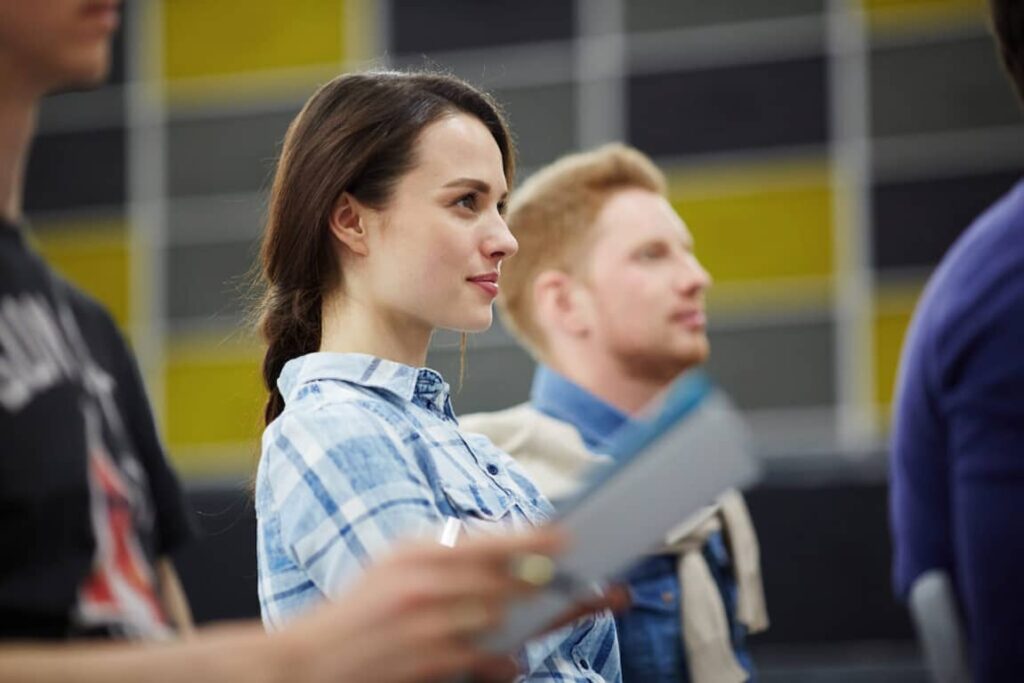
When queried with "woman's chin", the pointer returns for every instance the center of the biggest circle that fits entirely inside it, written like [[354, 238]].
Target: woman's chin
[[479, 323]]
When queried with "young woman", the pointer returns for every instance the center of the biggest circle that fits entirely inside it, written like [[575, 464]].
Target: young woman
[[386, 222]]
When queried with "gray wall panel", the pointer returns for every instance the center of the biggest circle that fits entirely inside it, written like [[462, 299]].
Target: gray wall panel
[[778, 366], [657, 15], [542, 120], [216, 219], [432, 25], [939, 86], [224, 154], [915, 222], [76, 170], [732, 108], [208, 281], [496, 377]]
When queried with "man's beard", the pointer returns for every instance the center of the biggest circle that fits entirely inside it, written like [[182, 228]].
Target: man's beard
[[660, 366]]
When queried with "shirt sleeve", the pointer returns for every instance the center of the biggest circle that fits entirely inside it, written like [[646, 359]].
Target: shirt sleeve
[[986, 435], [344, 488], [919, 468]]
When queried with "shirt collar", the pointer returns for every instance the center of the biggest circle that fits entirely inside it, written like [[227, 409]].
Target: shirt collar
[[12, 231], [562, 399], [419, 385]]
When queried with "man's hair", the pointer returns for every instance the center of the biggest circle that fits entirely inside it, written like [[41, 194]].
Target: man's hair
[[552, 216], [1008, 27]]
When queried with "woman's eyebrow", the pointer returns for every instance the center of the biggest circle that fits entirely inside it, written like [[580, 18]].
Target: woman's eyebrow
[[474, 184]]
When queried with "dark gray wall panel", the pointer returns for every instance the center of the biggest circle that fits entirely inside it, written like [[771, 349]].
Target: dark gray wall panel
[[77, 169], [224, 154], [433, 25], [778, 366], [915, 222], [737, 107], [220, 218], [658, 15], [496, 377], [542, 119], [209, 280], [939, 86]]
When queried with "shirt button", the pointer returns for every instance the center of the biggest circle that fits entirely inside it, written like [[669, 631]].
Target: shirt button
[[493, 470], [668, 596], [584, 664]]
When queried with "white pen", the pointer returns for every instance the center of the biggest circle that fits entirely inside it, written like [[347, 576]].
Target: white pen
[[450, 533]]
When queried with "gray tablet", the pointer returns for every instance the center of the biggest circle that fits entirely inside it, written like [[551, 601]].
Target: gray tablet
[[663, 470]]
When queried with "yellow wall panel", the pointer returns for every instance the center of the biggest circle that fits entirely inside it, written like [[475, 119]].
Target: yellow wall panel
[[894, 308], [919, 14], [94, 256], [757, 225], [227, 37], [213, 395]]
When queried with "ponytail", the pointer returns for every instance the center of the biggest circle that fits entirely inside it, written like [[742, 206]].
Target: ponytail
[[290, 327]]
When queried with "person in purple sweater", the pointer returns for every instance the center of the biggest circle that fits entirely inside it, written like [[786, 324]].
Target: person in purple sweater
[[957, 471]]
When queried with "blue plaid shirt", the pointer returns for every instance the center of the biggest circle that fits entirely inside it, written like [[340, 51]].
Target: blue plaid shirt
[[368, 451]]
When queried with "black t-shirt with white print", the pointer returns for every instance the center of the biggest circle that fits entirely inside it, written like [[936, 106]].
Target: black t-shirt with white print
[[87, 500]]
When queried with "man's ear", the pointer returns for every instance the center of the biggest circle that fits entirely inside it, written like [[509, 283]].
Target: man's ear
[[348, 222], [560, 304]]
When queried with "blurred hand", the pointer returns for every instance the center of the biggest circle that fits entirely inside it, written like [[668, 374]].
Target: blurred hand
[[615, 598], [417, 615]]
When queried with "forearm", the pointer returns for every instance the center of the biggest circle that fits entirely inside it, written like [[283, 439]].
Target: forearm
[[225, 653]]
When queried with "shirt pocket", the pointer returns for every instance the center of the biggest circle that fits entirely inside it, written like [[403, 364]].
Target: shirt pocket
[[654, 586], [478, 506]]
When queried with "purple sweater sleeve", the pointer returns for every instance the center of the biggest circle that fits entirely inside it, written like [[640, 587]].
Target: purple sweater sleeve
[[957, 485]]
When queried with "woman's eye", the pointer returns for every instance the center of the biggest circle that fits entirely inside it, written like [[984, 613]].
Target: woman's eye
[[467, 202]]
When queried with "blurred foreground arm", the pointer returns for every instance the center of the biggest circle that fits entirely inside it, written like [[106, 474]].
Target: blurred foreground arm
[[412, 617]]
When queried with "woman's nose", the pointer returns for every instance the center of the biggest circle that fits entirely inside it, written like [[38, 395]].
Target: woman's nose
[[502, 243]]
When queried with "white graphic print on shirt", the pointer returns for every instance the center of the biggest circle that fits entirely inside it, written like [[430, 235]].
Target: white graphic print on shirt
[[39, 349]]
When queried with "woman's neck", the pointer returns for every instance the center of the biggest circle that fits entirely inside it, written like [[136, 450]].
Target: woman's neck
[[351, 326]]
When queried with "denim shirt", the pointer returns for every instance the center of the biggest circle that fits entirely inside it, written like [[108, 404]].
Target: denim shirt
[[367, 452], [650, 633]]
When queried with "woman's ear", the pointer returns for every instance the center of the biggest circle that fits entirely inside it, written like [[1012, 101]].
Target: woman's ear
[[348, 224], [559, 304]]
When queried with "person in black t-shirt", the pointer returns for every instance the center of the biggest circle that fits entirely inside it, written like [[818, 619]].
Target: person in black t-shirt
[[89, 507], [86, 496]]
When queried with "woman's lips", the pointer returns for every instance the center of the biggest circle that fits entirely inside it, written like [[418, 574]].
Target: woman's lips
[[487, 282], [491, 288]]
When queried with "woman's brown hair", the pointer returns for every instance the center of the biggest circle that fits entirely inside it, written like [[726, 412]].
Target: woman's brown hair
[[356, 134]]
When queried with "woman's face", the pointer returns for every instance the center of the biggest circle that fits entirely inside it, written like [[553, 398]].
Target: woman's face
[[436, 250]]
